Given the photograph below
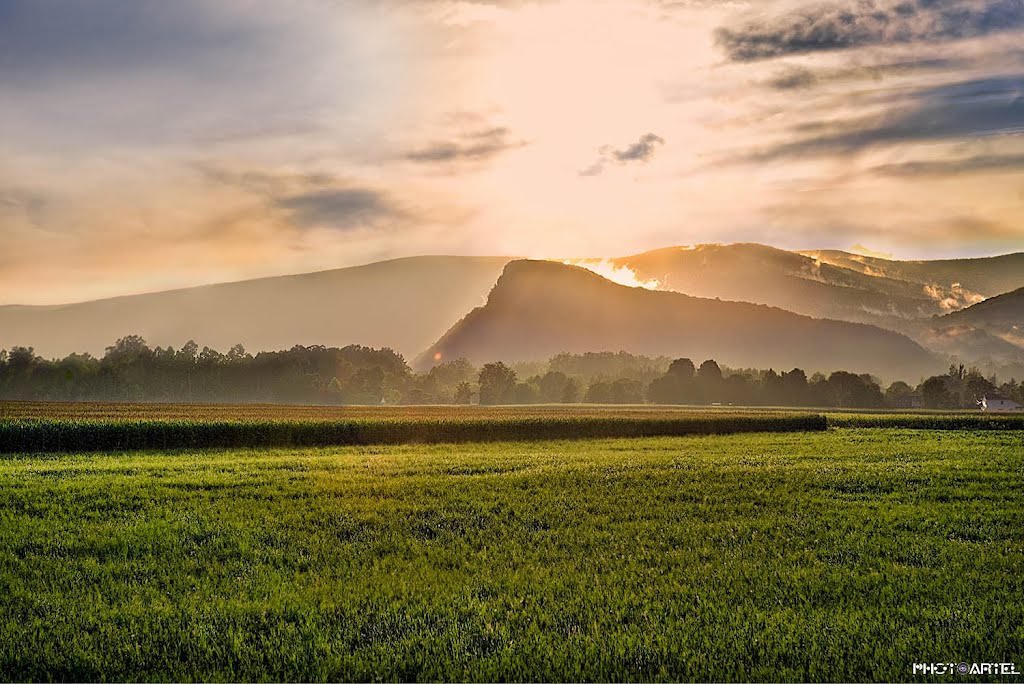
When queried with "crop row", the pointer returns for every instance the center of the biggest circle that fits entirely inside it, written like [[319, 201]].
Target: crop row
[[929, 421], [33, 435], [10, 410]]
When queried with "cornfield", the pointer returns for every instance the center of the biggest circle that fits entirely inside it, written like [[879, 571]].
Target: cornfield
[[76, 434], [929, 421], [56, 427]]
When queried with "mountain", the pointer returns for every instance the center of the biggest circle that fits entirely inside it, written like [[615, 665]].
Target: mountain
[[904, 296], [825, 284], [404, 304], [538, 309], [981, 277], [972, 345], [407, 304], [1002, 316], [991, 331]]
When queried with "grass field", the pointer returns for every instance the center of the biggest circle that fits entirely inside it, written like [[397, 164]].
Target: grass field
[[839, 555]]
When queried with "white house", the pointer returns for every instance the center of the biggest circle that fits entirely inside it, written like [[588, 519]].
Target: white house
[[998, 403]]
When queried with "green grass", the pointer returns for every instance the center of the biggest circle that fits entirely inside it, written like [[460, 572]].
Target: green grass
[[839, 555]]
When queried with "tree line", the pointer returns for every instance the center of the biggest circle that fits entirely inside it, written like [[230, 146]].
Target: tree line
[[132, 371]]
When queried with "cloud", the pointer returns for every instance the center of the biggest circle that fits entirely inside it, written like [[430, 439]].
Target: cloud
[[473, 147], [799, 77], [343, 208], [312, 200], [640, 151], [31, 203], [842, 25], [994, 163], [792, 78], [987, 107]]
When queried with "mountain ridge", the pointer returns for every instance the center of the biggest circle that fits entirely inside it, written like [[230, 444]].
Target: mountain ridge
[[1001, 317], [401, 303], [409, 302], [538, 309]]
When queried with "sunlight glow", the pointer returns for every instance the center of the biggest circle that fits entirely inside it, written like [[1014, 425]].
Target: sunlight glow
[[623, 275]]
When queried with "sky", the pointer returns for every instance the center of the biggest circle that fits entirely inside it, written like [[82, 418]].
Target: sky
[[147, 144]]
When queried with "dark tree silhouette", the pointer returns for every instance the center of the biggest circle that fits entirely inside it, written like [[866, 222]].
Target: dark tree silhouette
[[934, 392], [131, 370], [709, 381], [497, 384], [555, 387]]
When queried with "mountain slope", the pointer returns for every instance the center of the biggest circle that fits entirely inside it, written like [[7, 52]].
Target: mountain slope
[[796, 282], [1001, 317], [404, 304], [985, 276], [989, 334], [538, 309]]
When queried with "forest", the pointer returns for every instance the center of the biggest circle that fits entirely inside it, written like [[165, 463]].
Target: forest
[[356, 375]]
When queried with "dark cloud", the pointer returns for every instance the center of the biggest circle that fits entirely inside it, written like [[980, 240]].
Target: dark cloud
[[640, 151], [792, 78], [473, 147], [838, 26], [341, 208], [33, 205], [263, 182], [28, 200], [798, 78], [311, 199], [1011, 163], [968, 109]]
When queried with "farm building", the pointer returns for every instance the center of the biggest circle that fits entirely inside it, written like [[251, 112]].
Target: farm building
[[995, 402]]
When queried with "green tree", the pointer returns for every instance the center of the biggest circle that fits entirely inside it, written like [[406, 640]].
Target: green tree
[[21, 359], [676, 386], [237, 353], [555, 387], [935, 393], [599, 392], [975, 386], [525, 393], [795, 391], [497, 383], [335, 392], [682, 369], [463, 393], [451, 373], [850, 390], [898, 395], [627, 391], [127, 350], [771, 388], [709, 381]]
